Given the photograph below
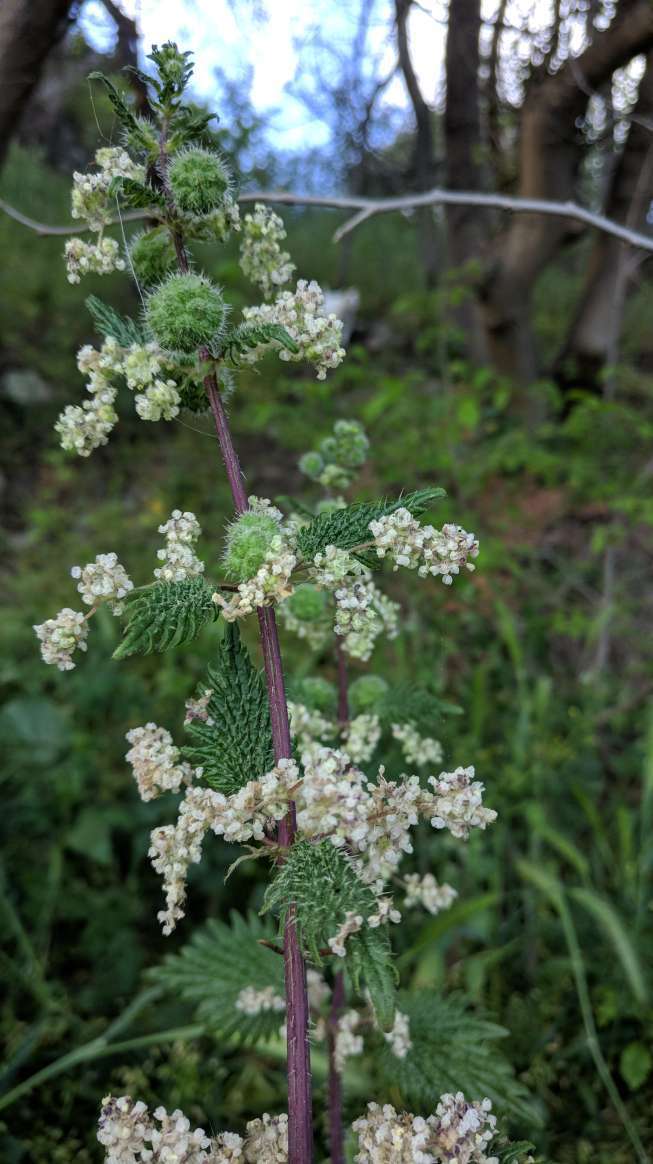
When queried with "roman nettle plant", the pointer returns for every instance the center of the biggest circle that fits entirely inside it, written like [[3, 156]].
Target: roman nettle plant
[[300, 792]]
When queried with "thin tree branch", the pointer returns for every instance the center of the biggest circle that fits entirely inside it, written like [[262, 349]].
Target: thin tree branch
[[371, 206]]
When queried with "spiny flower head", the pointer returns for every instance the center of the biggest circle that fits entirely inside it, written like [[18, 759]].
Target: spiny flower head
[[199, 180], [248, 540], [152, 255], [307, 603], [185, 312]]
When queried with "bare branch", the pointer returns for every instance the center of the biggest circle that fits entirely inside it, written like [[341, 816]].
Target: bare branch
[[371, 206]]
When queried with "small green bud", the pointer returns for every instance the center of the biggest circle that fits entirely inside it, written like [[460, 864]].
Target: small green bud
[[199, 180], [312, 465], [174, 68], [152, 255], [307, 603], [366, 693], [185, 312], [348, 446], [248, 540], [316, 693]]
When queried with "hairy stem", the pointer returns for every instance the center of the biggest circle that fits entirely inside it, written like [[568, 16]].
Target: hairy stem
[[300, 1116], [336, 1131]]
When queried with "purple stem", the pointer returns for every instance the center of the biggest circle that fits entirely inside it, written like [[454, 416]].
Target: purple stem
[[300, 1121], [336, 1132], [336, 1137]]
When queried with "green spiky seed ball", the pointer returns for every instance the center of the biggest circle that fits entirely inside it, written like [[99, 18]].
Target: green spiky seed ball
[[199, 180], [308, 604], [317, 693], [152, 256], [248, 540], [366, 693], [312, 465], [185, 312]]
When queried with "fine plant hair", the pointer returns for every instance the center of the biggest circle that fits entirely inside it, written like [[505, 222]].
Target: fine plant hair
[[294, 781]]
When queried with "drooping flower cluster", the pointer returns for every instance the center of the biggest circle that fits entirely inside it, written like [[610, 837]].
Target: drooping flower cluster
[[457, 803], [261, 258], [362, 611], [417, 749], [457, 1133], [155, 761], [103, 580], [317, 336], [361, 737], [426, 891], [91, 202], [130, 1135], [61, 636], [398, 1038], [83, 428], [347, 1042], [252, 1001], [240, 818], [179, 560], [402, 538], [353, 922]]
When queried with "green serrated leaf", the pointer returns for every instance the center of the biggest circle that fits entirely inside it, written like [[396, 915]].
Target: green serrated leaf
[[109, 323], [245, 337], [136, 195], [513, 1153], [164, 615], [121, 109], [236, 746], [453, 1050], [321, 884], [349, 527], [216, 965]]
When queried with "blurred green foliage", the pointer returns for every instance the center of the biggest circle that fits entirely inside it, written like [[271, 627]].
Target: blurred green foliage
[[544, 649]]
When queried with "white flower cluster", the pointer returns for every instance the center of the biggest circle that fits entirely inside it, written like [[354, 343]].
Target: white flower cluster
[[130, 1135], [199, 708], [422, 547], [398, 1038], [270, 584], [155, 761], [385, 912], [362, 611], [417, 749], [319, 991], [317, 336], [83, 428], [160, 401], [308, 727], [267, 1140], [347, 1042], [458, 803], [458, 1133], [89, 200], [426, 891], [262, 260], [361, 737], [103, 580], [252, 1001], [61, 636], [240, 818], [179, 560], [85, 258], [351, 925]]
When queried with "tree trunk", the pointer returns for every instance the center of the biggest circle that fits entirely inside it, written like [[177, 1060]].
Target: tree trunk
[[466, 226], [424, 145], [550, 152], [29, 29], [593, 335]]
